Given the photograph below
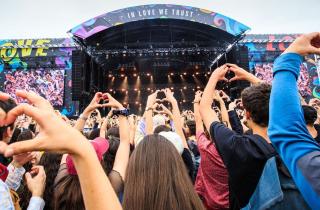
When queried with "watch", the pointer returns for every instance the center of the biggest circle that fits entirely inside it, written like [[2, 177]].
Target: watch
[[123, 112]]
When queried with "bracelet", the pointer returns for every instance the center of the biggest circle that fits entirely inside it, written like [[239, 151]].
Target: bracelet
[[196, 102], [83, 117]]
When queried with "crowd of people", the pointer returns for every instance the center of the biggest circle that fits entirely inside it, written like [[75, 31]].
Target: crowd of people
[[45, 82], [260, 151]]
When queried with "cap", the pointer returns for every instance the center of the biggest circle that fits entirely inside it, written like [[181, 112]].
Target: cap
[[100, 145]]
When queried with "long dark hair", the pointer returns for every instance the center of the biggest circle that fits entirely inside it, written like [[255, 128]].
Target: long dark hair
[[51, 164], [158, 179], [67, 194]]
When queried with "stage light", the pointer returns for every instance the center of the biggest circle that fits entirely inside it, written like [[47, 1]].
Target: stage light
[[171, 74], [110, 90], [134, 68], [197, 73], [184, 87], [171, 88], [110, 75], [124, 55], [135, 89], [134, 75], [123, 89], [148, 74], [209, 72], [196, 67], [137, 102], [148, 89], [122, 75], [184, 73], [198, 87], [183, 101], [122, 69]]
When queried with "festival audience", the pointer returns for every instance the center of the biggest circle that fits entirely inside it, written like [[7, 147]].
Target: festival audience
[[226, 154]]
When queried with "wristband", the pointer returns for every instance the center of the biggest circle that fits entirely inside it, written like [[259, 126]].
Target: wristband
[[123, 112]]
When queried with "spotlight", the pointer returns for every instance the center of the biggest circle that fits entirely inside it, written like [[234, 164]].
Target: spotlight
[[171, 74], [197, 73], [148, 89], [135, 89], [196, 67], [123, 89], [171, 88], [110, 90], [184, 87], [184, 73], [134, 75], [122, 75], [148, 74], [137, 102], [134, 68], [183, 101], [110, 75]]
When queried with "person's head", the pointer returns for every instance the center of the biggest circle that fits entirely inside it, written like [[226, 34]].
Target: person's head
[[51, 164], [113, 132], [310, 114], [6, 131], [161, 128], [190, 128], [25, 135], [157, 178], [95, 133], [110, 155], [67, 194], [255, 100]]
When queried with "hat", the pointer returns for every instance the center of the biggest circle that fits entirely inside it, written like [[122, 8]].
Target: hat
[[174, 138], [100, 145], [158, 120]]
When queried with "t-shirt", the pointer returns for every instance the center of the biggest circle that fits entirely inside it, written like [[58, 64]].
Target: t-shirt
[[212, 179], [244, 157]]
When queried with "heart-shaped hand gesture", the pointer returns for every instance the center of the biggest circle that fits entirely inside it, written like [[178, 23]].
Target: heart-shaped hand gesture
[[306, 44], [55, 134]]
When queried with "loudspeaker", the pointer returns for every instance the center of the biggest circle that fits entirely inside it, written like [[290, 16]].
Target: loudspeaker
[[79, 69]]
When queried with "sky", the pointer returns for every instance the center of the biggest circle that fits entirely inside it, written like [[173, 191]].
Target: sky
[[52, 19]]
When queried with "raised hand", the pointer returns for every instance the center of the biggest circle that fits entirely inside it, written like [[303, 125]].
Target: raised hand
[[305, 44], [166, 111], [242, 74], [55, 135], [197, 97], [94, 104], [169, 95], [112, 102], [152, 99], [21, 159], [219, 73], [36, 181]]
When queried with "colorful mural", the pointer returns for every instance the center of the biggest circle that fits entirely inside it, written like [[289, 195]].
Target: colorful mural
[[155, 11]]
